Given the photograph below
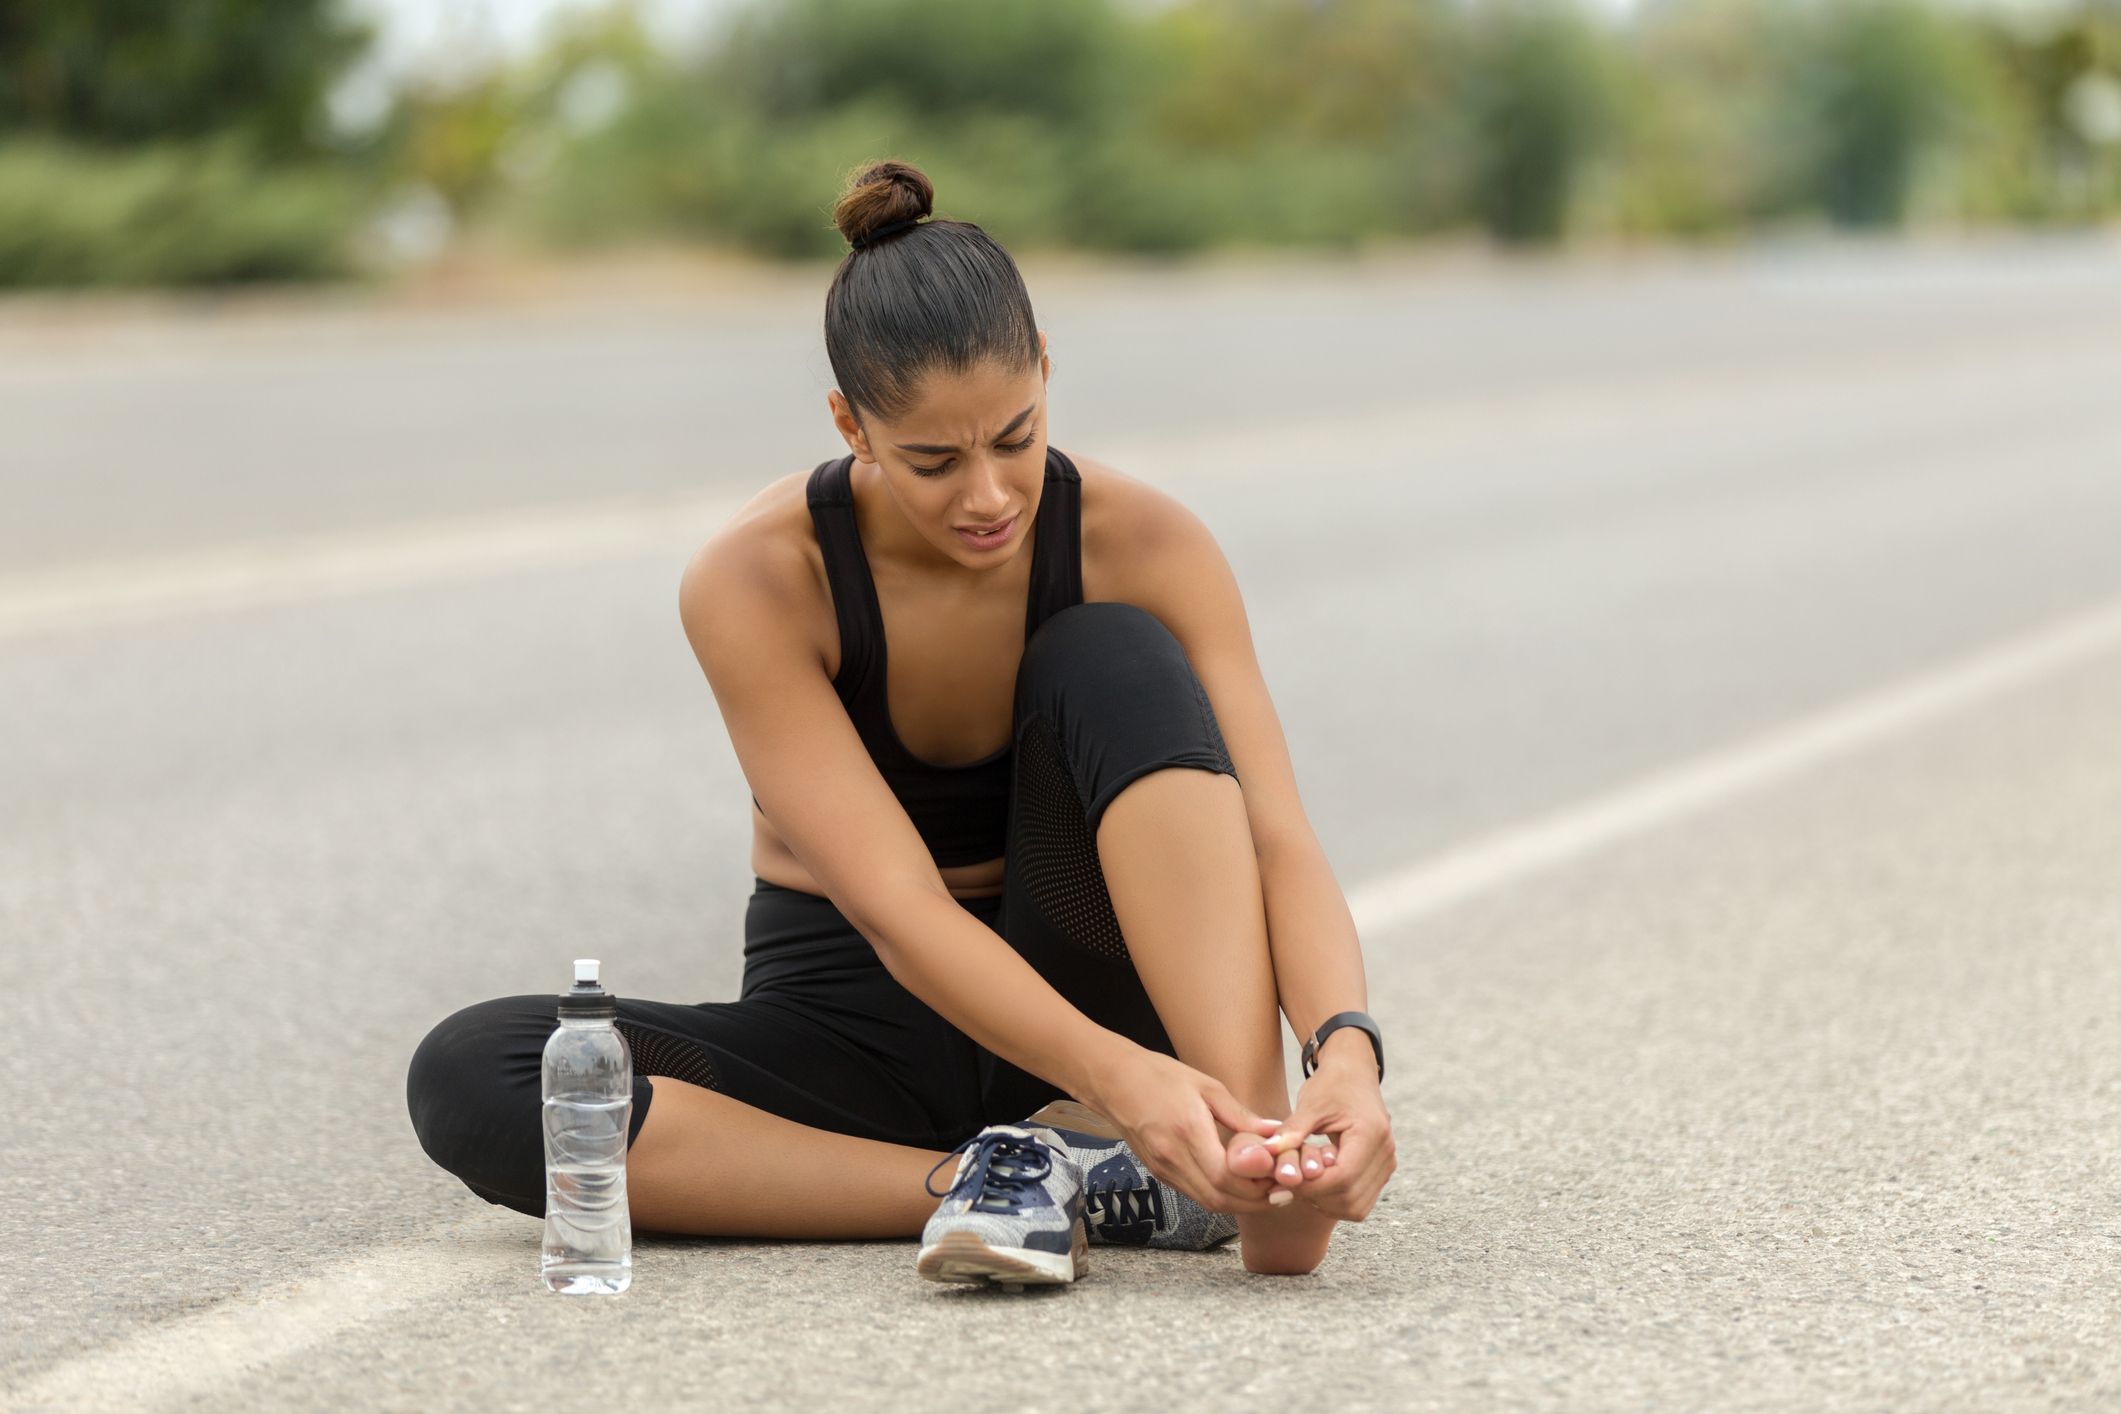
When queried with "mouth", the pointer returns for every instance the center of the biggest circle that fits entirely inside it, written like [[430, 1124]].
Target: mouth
[[987, 537]]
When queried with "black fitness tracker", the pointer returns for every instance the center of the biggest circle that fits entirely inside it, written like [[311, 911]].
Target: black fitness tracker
[[1360, 1021]]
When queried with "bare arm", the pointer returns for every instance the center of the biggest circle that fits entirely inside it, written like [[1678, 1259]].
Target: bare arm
[[816, 782]]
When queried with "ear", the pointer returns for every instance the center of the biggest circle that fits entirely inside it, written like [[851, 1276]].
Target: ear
[[1045, 360], [850, 430]]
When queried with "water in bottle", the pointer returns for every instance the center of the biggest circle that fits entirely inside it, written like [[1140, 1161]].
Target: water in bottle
[[588, 1105]]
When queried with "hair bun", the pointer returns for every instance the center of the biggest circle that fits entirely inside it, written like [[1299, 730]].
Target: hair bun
[[881, 199]]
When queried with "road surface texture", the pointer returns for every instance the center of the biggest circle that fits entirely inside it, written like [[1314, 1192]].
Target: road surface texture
[[1704, 673]]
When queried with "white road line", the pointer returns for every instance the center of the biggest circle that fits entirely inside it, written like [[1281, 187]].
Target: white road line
[[1188, 461], [170, 1362], [1490, 862], [166, 1365], [290, 569]]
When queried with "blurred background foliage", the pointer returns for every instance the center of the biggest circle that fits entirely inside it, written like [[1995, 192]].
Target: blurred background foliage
[[197, 141], [175, 143]]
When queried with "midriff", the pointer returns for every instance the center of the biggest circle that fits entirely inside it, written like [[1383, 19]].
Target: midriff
[[773, 861]]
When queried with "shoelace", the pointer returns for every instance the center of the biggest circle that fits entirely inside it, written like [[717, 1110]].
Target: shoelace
[[1113, 1206], [1115, 1201], [1006, 1169]]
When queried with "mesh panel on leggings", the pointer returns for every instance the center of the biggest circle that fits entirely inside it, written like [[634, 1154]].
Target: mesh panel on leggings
[[660, 1053], [1055, 853]]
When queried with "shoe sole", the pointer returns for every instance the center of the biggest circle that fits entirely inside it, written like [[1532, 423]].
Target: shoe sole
[[960, 1256]]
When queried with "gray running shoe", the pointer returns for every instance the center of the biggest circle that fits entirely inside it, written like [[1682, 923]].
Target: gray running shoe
[[1126, 1205], [1013, 1213]]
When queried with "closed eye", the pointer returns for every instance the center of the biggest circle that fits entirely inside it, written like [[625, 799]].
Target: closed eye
[[1012, 448]]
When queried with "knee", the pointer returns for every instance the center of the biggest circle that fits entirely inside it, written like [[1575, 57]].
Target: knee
[[1105, 651], [1085, 630], [1120, 697], [473, 1092]]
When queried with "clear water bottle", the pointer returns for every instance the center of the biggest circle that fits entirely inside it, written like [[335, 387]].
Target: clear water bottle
[[588, 1105]]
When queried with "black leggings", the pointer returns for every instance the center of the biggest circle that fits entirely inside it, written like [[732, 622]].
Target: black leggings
[[821, 1033]]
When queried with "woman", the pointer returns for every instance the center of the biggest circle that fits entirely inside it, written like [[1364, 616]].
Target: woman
[[1013, 868]]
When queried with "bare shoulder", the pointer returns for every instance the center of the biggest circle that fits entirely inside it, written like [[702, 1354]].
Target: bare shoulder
[[1140, 543], [760, 567]]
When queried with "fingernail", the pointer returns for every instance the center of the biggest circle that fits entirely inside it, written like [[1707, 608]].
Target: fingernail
[[1280, 1197]]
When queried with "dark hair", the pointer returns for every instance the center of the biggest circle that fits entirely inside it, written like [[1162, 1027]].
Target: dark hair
[[936, 296]]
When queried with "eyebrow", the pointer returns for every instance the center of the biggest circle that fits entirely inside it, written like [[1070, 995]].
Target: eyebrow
[[1014, 423]]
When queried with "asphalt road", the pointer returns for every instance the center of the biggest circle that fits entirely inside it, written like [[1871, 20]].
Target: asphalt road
[[1804, 1095]]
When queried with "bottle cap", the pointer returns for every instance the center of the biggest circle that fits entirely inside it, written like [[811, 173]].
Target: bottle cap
[[587, 998]]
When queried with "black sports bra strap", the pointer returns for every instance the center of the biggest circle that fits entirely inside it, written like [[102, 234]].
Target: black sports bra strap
[[832, 512], [1057, 561], [1058, 579]]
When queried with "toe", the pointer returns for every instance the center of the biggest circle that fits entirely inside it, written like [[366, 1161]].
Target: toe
[[1249, 1157]]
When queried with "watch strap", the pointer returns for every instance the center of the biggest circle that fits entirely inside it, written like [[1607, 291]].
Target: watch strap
[[1359, 1020]]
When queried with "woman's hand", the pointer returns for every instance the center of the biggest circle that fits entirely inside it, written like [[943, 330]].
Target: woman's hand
[[1168, 1113], [1341, 1100]]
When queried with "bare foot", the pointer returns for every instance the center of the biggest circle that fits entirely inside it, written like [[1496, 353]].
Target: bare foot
[[1292, 1239]]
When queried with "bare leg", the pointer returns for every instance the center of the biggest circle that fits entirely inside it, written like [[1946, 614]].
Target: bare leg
[[709, 1165], [1184, 878]]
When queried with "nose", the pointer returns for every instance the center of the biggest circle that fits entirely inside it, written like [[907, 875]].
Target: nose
[[986, 495]]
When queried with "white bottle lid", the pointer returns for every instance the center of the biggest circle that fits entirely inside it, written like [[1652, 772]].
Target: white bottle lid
[[585, 969]]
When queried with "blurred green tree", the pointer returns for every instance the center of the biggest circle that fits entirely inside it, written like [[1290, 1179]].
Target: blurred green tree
[[1701, 150], [1237, 76], [932, 59], [132, 71], [2066, 67], [184, 142], [1878, 87], [1538, 94], [749, 141], [167, 214], [1276, 121]]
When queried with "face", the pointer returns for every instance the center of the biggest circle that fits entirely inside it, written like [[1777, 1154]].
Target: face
[[962, 459]]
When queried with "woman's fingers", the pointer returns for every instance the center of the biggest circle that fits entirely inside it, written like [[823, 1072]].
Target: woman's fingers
[[1230, 1193], [1232, 1115], [1310, 1156], [1208, 1172], [1349, 1187]]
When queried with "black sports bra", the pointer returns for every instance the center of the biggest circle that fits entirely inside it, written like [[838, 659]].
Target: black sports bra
[[961, 812]]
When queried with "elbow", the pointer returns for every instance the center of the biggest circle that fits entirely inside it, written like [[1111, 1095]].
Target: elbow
[[887, 912]]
